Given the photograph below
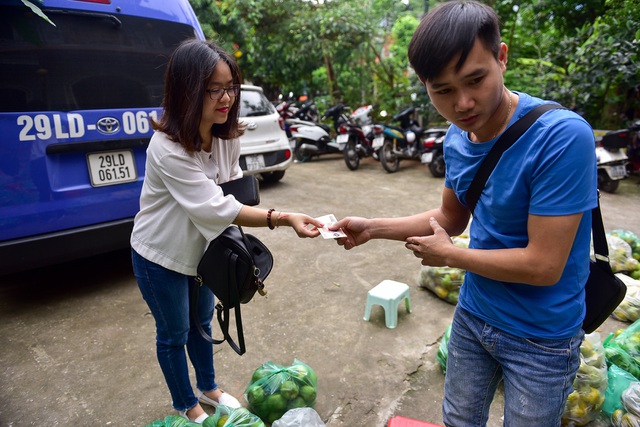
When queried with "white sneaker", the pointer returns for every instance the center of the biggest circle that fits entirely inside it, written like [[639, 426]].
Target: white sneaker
[[225, 399], [198, 420]]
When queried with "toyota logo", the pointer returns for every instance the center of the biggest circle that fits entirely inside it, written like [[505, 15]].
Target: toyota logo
[[108, 125]]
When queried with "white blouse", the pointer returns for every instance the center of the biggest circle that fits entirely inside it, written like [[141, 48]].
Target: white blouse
[[182, 207]]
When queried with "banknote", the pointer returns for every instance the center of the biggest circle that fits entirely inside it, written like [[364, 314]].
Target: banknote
[[329, 220]]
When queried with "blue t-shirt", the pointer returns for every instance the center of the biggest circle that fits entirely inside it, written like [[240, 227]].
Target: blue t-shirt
[[550, 170]]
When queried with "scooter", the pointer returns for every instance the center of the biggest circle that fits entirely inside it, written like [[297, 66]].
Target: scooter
[[433, 153], [633, 148], [311, 139], [308, 138], [611, 160], [357, 134], [407, 141]]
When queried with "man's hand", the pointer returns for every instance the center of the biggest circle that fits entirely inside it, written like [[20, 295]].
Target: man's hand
[[431, 249], [356, 230]]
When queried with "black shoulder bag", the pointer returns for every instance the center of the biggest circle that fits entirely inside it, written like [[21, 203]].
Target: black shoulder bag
[[233, 267], [603, 290]]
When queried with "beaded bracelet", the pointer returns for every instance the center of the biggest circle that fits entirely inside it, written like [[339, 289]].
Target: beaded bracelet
[[269, 212]]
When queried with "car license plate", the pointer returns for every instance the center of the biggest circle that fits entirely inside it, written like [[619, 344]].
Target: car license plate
[[426, 158], [255, 162], [111, 167], [377, 142], [343, 137], [618, 172]]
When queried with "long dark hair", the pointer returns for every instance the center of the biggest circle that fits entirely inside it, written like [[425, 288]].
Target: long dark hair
[[451, 29], [188, 73]]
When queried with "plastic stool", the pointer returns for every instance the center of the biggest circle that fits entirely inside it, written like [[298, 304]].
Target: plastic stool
[[409, 422], [388, 294]]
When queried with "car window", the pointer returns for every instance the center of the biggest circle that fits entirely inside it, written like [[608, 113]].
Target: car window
[[254, 104]]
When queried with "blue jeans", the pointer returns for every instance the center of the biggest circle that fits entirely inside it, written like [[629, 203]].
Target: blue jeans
[[538, 375], [168, 295]]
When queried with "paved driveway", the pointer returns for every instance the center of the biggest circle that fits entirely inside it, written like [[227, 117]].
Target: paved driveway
[[78, 341]]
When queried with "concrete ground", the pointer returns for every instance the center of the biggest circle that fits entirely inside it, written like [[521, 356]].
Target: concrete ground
[[77, 340]]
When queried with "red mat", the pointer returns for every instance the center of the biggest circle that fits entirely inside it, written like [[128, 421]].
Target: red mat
[[409, 422]]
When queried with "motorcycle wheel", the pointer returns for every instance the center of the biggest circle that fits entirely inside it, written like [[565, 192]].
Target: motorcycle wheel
[[605, 183], [437, 166], [351, 157], [297, 153], [390, 162]]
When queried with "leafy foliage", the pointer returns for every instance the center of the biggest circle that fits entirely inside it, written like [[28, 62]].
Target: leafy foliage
[[582, 53]]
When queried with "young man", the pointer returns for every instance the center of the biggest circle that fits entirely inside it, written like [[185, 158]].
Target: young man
[[520, 310]]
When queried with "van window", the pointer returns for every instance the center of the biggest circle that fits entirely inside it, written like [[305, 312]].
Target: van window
[[84, 62]]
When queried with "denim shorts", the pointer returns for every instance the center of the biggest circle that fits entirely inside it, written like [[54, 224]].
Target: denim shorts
[[538, 375]]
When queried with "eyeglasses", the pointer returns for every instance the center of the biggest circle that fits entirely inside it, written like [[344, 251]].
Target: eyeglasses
[[217, 94]]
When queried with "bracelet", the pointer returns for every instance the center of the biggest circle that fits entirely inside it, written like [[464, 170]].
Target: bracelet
[[269, 212]]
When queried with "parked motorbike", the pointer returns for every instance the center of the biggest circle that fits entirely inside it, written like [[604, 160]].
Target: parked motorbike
[[357, 134], [433, 154], [308, 137], [633, 148], [611, 159], [410, 141]]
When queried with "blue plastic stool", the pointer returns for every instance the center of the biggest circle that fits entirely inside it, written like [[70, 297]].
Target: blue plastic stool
[[388, 294]]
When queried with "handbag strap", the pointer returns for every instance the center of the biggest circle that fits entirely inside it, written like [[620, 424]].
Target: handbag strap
[[223, 312], [222, 320], [600, 247], [506, 140]]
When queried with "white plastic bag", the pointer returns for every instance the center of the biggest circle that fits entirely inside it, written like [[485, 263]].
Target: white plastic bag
[[299, 417]]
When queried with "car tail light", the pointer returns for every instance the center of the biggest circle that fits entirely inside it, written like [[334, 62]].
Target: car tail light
[[287, 154], [281, 122], [429, 142]]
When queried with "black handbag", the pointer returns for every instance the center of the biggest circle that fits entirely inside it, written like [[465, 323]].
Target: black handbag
[[244, 189], [603, 290], [233, 267]]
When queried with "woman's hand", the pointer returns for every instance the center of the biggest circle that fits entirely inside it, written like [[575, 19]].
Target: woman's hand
[[304, 225]]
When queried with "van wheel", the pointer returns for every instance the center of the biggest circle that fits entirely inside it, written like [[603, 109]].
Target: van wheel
[[272, 176]]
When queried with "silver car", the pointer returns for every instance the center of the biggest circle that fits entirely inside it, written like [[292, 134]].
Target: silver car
[[265, 148]]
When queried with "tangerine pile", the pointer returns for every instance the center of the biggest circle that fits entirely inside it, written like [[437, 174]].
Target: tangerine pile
[[275, 389]]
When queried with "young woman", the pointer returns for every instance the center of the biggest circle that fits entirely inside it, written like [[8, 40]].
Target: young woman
[[182, 208]]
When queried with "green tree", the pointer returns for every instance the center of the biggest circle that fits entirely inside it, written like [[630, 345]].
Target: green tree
[[582, 53]]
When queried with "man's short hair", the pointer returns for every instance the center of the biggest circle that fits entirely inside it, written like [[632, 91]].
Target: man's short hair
[[451, 29]]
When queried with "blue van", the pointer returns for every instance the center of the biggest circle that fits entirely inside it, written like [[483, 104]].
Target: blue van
[[75, 102]]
